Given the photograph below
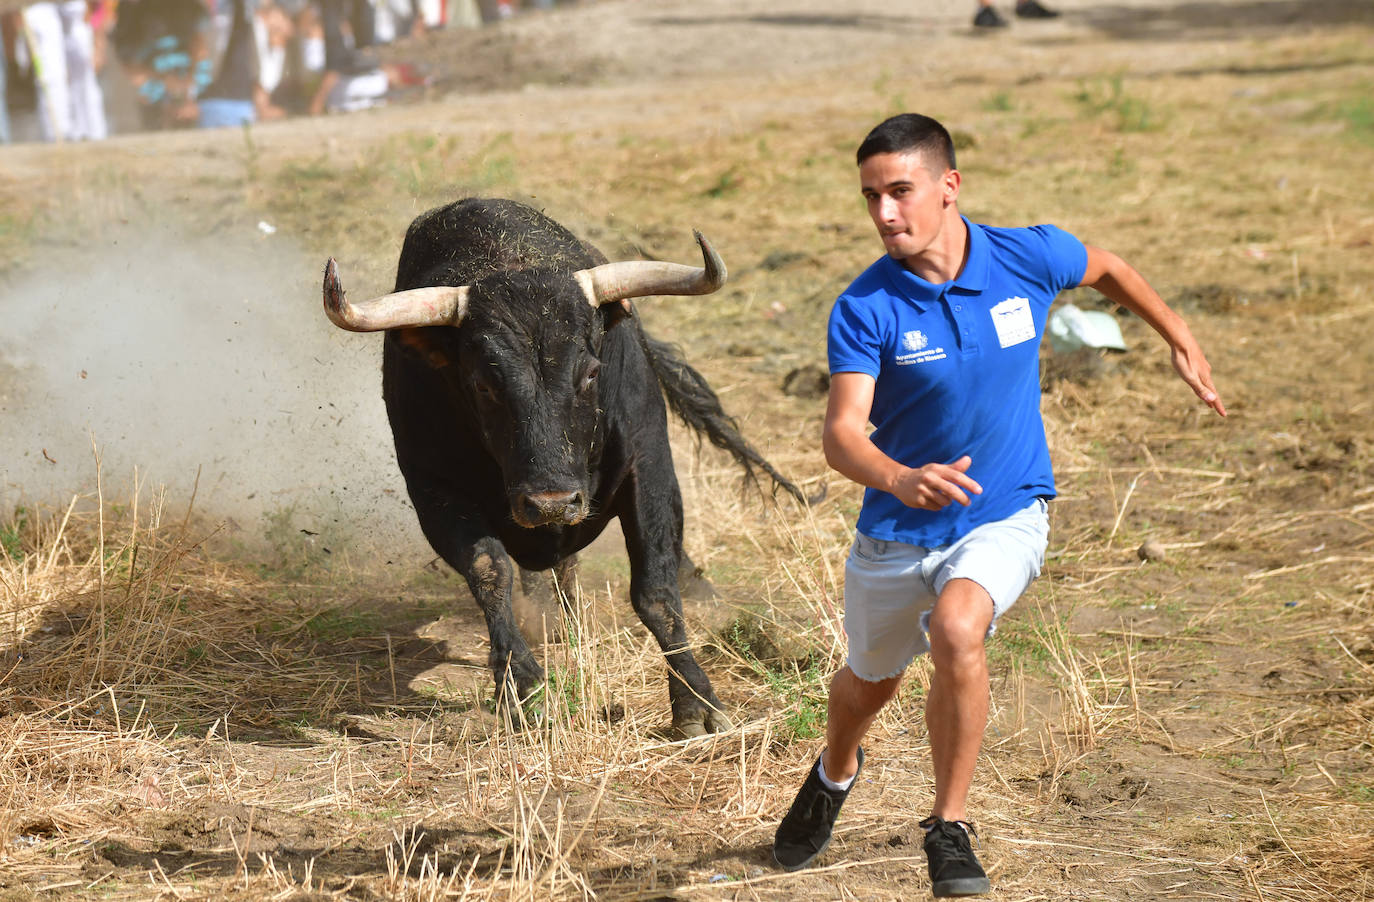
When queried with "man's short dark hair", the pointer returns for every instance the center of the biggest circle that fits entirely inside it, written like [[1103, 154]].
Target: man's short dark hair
[[910, 133]]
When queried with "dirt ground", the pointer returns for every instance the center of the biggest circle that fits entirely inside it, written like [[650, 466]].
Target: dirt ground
[[281, 695]]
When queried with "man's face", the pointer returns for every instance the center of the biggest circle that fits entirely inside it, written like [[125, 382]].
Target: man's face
[[907, 200]]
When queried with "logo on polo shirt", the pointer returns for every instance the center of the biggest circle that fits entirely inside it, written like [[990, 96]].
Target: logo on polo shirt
[[915, 341]]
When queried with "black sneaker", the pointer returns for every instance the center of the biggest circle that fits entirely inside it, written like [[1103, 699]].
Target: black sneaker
[[805, 831], [989, 17], [954, 869], [1031, 9]]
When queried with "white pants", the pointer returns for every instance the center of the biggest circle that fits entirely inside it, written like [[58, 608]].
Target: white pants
[[71, 106], [44, 46], [83, 90]]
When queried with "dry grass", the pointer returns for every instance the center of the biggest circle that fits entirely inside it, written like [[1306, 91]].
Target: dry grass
[[179, 723], [103, 781]]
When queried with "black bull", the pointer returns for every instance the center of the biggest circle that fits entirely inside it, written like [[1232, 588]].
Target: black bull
[[527, 406]]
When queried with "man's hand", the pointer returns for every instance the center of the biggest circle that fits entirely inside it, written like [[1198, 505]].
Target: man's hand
[[935, 486], [1119, 281], [1194, 369]]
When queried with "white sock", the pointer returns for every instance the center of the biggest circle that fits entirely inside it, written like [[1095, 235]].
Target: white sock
[[829, 783], [959, 824]]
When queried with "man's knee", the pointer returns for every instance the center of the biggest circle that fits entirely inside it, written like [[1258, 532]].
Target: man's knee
[[959, 624]]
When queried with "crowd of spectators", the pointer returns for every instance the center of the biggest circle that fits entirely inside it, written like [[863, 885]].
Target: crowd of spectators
[[212, 63]]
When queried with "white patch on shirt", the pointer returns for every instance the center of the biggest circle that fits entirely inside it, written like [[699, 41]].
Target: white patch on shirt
[[1013, 320], [915, 340]]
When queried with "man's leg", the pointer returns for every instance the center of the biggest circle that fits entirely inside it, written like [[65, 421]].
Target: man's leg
[[852, 707], [806, 829], [885, 596], [956, 716], [957, 706]]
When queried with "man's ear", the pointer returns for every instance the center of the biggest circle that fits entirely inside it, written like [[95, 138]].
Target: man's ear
[[949, 185]]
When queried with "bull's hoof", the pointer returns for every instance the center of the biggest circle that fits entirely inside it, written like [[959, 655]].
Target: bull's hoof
[[522, 710], [700, 722], [530, 714]]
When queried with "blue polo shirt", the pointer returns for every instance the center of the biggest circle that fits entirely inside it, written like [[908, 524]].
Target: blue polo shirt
[[957, 370]]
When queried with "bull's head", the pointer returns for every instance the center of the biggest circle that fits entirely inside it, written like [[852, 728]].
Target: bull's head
[[528, 369]]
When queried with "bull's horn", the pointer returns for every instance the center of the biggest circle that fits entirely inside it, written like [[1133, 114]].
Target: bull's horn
[[612, 282], [441, 305]]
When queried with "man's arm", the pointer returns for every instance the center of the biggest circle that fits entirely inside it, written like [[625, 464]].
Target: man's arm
[[849, 450], [1119, 281]]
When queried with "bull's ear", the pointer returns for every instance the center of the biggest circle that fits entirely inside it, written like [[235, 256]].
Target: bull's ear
[[421, 343], [612, 314]]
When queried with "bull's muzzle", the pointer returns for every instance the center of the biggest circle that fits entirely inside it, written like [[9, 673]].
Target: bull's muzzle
[[546, 508]]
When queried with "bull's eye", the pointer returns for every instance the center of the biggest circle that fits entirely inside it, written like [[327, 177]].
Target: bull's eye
[[589, 379], [485, 390]]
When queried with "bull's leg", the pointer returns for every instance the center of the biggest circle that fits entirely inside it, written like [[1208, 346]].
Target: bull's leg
[[545, 592], [490, 575], [483, 562], [653, 539], [692, 582], [550, 586]]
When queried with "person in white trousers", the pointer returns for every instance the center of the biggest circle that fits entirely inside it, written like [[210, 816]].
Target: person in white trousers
[[4, 107], [60, 47], [42, 48], [84, 94]]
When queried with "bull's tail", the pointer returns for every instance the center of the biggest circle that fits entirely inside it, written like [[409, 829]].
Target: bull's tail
[[695, 403]]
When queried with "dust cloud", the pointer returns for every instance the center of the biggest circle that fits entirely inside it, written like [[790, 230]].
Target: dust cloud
[[210, 358]]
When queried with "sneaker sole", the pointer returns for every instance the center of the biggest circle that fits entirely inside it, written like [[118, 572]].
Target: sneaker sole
[[964, 886], [804, 862]]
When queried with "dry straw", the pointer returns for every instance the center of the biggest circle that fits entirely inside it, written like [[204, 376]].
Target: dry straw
[[147, 685]]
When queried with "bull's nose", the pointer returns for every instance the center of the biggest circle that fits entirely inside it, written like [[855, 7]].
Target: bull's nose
[[553, 507]]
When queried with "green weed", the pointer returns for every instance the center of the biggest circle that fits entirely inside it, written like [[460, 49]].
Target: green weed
[[1000, 102], [963, 140], [1120, 164], [727, 184], [1360, 792], [747, 634], [805, 682], [563, 691], [11, 534], [1107, 96], [809, 691], [251, 157], [337, 625], [120, 563], [493, 166], [18, 228], [1358, 115], [303, 172]]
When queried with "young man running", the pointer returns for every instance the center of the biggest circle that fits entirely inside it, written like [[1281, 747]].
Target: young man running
[[937, 345]]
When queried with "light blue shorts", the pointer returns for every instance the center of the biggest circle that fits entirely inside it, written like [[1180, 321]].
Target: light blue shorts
[[890, 588], [222, 112]]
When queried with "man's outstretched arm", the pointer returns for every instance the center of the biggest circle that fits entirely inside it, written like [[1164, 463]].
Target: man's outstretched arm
[[1119, 281]]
